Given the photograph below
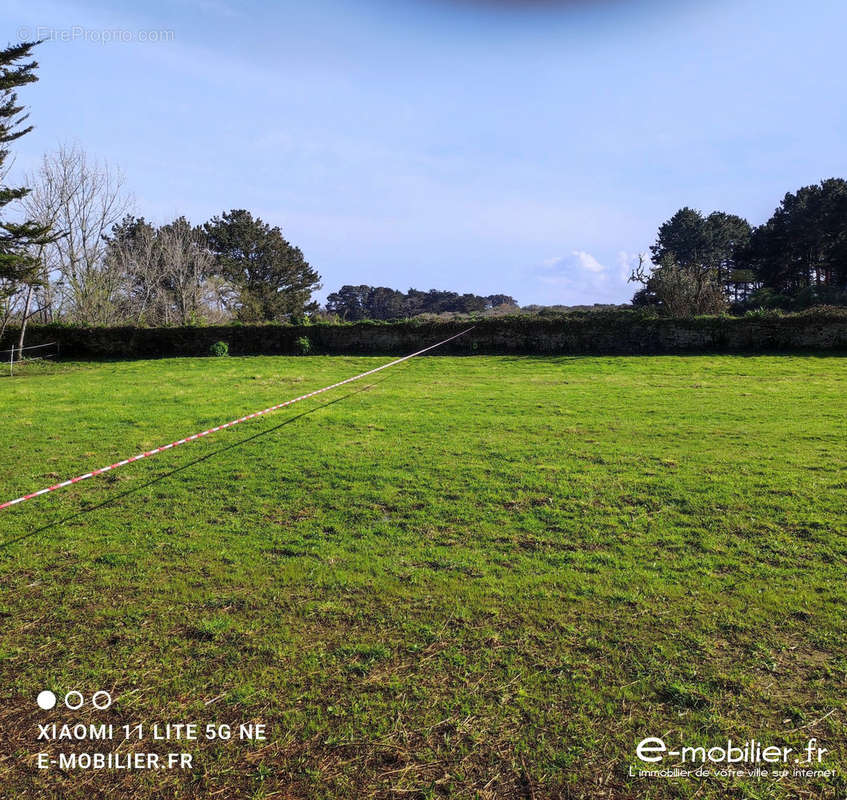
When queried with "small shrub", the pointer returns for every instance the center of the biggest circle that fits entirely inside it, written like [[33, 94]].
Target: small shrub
[[764, 313], [303, 346], [219, 349]]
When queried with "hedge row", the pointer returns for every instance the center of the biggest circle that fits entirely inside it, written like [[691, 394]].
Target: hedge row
[[596, 332]]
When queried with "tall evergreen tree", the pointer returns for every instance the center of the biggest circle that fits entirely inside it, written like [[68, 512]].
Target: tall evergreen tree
[[350, 302], [273, 279], [726, 236], [683, 238], [709, 244], [804, 243], [16, 263]]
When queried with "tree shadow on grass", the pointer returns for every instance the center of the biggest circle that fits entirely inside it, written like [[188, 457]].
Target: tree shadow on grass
[[112, 500]]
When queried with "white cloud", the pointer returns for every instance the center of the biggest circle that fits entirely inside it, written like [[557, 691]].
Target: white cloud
[[581, 278], [587, 262], [578, 260]]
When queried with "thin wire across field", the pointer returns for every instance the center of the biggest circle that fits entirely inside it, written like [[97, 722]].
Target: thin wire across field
[[29, 347], [217, 428]]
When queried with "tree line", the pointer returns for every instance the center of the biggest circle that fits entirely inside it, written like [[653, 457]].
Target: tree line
[[102, 265], [795, 260], [233, 266], [381, 303], [83, 256]]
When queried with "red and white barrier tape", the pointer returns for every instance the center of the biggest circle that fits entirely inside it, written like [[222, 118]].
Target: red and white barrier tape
[[225, 425]]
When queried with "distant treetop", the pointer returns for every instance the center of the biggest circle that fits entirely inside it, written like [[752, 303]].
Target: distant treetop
[[381, 303]]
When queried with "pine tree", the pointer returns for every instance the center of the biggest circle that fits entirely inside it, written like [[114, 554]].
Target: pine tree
[[16, 263], [273, 279]]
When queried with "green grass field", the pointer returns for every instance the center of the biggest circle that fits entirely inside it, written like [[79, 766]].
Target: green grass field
[[467, 577]]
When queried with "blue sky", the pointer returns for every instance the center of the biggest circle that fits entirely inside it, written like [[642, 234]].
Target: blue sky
[[526, 148]]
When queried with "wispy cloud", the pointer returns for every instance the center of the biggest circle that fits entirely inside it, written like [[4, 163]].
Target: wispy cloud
[[576, 261], [580, 277]]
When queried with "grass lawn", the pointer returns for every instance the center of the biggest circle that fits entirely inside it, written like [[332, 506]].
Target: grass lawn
[[480, 577]]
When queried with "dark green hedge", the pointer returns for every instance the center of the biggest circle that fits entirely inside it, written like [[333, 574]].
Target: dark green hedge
[[625, 332]]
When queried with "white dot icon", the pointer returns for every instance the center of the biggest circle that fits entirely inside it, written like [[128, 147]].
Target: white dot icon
[[46, 699]]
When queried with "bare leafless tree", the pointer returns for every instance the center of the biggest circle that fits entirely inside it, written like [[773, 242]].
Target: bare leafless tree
[[219, 297], [81, 199], [133, 252], [186, 265], [169, 273]]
